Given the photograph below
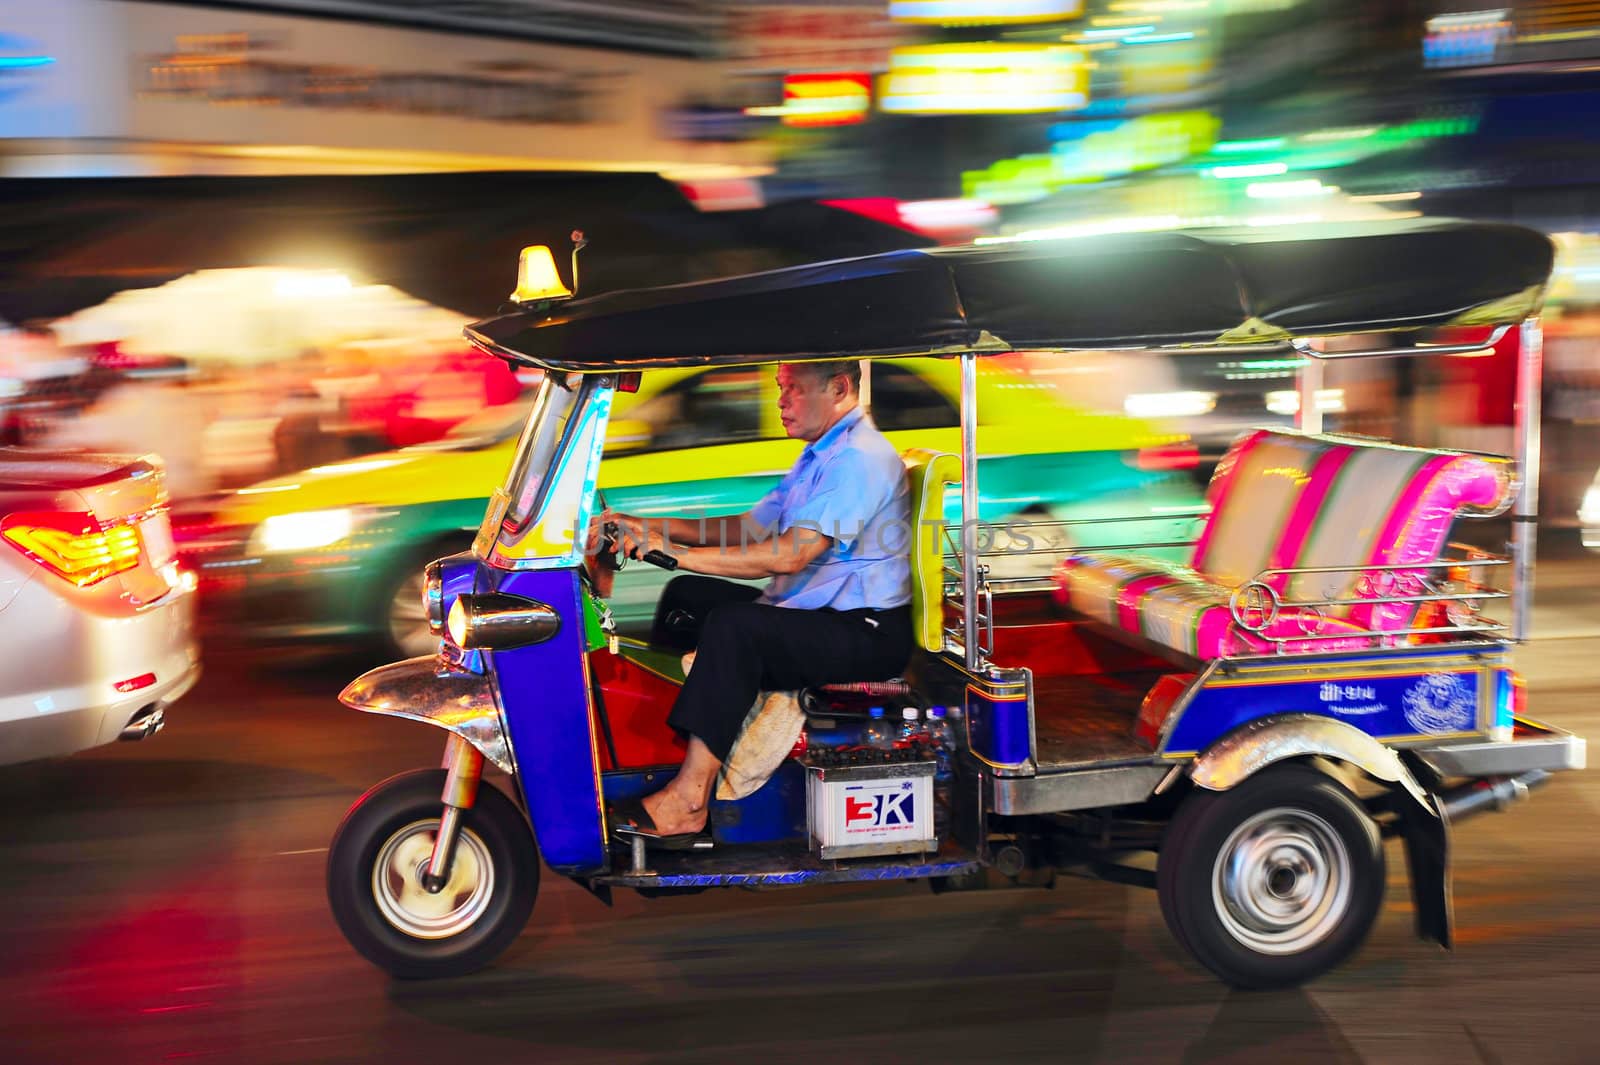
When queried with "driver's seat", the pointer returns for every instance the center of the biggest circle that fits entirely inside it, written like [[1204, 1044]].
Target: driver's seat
[[929, 473]]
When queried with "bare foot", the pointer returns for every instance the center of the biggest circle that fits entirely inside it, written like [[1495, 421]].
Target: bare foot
[[672, 814]]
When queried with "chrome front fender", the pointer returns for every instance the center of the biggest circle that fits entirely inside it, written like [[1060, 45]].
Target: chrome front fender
[[458, 702], [1247, 750]]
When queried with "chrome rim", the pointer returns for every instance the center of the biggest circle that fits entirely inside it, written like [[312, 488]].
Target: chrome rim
[[1281, 883], [408, 619], [412, 908]]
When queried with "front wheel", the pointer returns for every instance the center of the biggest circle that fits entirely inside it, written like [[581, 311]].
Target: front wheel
[[1272, 883], [375, 867]]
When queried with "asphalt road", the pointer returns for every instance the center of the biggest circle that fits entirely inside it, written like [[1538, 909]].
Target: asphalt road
[[164, 902]]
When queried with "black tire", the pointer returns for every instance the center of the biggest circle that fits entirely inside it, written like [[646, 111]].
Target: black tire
[[1272, 883], [400, 622], [394, 823]]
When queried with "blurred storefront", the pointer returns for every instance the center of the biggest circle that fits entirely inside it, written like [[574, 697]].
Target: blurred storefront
[[107, 87]]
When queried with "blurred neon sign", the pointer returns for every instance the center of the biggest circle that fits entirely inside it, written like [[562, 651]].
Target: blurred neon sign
[[226, 69], [948, 79], [983, 12], [826, 99], [1095, 151], [1466, 38], [788, 37]]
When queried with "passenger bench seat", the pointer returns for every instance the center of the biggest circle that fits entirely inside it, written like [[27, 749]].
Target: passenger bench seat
[[1288, 500]]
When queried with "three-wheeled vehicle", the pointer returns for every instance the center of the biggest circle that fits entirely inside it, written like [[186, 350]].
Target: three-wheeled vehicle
[[1240, 732]]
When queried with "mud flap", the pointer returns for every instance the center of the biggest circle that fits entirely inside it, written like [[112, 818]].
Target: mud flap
[[1427, 838], [599, 891]]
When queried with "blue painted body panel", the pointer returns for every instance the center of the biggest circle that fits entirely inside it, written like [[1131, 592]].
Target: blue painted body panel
[[1414, 693], [999, 730], [774, 812], [544, 694]]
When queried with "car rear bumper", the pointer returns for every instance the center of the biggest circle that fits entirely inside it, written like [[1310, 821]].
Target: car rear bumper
[[65, 699]]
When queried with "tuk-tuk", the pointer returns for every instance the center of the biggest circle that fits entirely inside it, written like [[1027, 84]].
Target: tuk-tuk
[[1241, 731]]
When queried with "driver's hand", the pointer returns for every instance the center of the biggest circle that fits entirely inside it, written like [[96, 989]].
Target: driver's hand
[[596, 540], [639, 537]]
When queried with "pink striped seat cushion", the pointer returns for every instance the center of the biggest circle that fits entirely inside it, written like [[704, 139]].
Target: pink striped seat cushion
[[1284, 500], [1174, 606]]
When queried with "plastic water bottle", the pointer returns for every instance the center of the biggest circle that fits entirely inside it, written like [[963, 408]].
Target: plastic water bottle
[[952, 718], [941, 736], [879, 733], [942, 741], [910, 728]]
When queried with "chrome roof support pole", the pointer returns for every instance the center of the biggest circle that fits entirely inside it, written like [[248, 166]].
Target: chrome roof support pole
[[1525, 511], [970, 639]]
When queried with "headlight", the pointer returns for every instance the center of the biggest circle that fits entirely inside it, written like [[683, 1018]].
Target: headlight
[[302, 532], [497, 621]]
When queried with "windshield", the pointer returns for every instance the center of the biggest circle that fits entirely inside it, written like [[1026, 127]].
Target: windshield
[[534, 519], [536, 452]]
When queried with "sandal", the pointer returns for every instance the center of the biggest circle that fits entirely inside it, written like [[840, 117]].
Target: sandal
[[629, 819]]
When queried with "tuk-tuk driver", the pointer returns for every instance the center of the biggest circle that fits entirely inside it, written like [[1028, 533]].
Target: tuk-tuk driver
[[833, 537]]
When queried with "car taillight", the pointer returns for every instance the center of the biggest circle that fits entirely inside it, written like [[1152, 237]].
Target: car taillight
[[73, 545], [1174, 455]]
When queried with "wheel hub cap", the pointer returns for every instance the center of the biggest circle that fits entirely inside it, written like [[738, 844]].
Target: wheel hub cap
[[1282, 881], [405, 903]]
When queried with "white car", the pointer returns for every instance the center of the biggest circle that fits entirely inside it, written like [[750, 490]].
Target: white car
[[95, 614]]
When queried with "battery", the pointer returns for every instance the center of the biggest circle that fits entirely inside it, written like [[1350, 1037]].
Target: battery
[[861, 810]]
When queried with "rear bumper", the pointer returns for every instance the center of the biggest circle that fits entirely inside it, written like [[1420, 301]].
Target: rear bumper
[[67, 732], [1535, 746], [66, 699]]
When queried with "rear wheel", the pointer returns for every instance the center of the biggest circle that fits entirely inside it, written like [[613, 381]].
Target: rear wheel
[[1275, 882], [375, 867]]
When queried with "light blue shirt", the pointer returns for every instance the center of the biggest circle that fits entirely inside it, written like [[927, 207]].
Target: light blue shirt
[[850, 485]]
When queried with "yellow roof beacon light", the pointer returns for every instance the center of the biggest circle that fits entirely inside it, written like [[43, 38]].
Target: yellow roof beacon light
[[537, 278]]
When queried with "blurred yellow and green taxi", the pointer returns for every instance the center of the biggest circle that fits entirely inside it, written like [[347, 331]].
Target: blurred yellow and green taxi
[[336, 551]]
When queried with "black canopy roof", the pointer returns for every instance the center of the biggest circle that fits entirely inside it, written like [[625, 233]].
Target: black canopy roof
[[1128, 290]]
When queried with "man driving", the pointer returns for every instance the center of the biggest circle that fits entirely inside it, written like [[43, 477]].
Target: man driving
[[833, 537]]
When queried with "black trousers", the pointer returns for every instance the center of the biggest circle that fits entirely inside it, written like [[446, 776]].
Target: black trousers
[[686, 602], [746, 648]]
